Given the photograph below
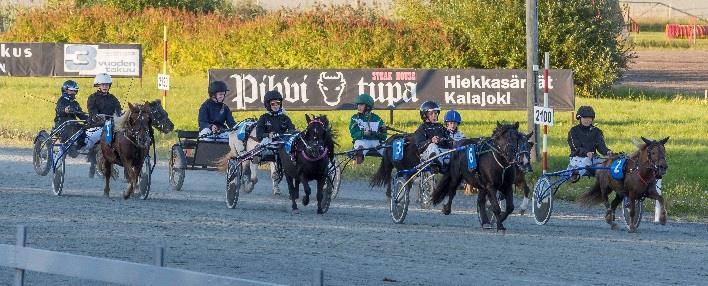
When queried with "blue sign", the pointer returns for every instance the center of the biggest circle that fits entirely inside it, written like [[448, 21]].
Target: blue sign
[[397, 146], [617, 168], [471, 157]]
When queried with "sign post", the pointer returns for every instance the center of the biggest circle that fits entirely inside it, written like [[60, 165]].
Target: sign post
[[164, 77], [544, 115]]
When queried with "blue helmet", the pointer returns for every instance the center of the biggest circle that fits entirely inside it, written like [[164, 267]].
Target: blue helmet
[[69, 85], [453, 116]]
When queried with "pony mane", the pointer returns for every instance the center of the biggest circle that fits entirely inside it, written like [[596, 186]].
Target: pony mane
[[640, 147], [500, 129], [121, 122], [332, 139]]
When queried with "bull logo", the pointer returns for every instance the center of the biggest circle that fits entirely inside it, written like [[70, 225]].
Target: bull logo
[[332, 87]]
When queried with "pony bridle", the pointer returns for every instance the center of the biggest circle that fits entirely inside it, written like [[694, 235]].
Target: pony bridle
[[323, 151], [142, 139], [654, 167], [523, 152], [496, 149], [159, 120]]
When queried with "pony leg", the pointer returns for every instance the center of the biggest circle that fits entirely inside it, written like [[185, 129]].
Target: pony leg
[[658, 207], [275, 178], [654, 194], [130, 173], [610, 216], [492, 197], [481, 206], [525, 203], [107, 173], [632, 215], [306, 198], [294, 194], [451, 192], [252, 176], [320, 194], [509, 200]]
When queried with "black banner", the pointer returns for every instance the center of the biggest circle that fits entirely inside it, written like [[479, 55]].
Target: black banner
[[75, 60], [330, 89]]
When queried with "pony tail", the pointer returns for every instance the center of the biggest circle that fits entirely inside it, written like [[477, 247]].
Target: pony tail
[[223, 162], [383, 174], [591, 197]]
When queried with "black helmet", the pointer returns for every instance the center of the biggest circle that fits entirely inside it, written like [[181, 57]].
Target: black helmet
[[217, 86], [585, 111], [69, 85], [428, 106], [270, 96]]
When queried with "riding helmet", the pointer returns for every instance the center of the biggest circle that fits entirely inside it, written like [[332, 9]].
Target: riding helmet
[[428, 106], [69, 85], [217, 86], [270, 96], [365, 99], [585, 111], [453, 116], [102, 78]]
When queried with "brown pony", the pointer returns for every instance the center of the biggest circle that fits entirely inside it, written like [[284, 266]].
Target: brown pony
[[131, 143], [641, 171]]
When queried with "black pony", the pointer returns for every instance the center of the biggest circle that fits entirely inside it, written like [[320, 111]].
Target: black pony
[[314, 150], [410, 159], [496, 170]]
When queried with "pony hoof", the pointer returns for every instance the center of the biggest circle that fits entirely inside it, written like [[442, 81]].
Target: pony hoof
[[613, 226], [296, 211], [319, 211], [632, 230], [522, 212], [501, 231], [306, 200], [388, 194], [486, 226], [446, 211], [662, 220]]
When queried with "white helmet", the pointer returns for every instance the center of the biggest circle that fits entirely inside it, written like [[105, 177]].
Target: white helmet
[[102, 78]]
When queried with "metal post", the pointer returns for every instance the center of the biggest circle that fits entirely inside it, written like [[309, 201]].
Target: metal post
[[531, 65], [160, 256], [547, 66], [21, 240], [390, 116], [164, 63], [318, 279]]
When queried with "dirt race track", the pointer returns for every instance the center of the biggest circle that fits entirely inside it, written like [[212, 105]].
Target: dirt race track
[[355, 243], [683, 72]]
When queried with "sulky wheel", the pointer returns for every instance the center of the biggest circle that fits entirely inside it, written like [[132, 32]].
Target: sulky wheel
[[399, 198], [177, 166], [41, 154], [542, 200]]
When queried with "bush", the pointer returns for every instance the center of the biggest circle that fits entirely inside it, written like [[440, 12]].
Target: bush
[[337, 37]]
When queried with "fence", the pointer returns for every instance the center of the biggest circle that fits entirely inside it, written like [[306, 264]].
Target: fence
[[108, 270], [666, 11]]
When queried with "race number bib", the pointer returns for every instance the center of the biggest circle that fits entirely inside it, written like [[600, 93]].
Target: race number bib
[[108, 131], [241, 133], [617, 168], [471, 157], [397, 146]]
